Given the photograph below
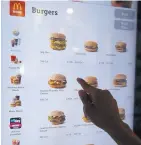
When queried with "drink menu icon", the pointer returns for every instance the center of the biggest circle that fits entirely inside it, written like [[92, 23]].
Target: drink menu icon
[[16, 40]]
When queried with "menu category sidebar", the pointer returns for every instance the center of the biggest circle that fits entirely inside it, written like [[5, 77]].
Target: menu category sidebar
[[12, 77], [15, 87]]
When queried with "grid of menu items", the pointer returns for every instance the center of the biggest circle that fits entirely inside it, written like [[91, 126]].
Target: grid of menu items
[[45, 47]]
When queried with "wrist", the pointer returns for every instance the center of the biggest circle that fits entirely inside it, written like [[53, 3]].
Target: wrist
[[116, 128], [122, 134]]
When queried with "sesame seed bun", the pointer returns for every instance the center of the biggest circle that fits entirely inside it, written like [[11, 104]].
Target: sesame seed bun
[[121, 44], [58, 77], [91, 80], [120, 76], [91, 43], [58, 35], [91, 46], [57, 113]]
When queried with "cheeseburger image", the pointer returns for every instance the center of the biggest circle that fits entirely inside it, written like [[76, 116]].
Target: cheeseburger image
[[91, 46], [86, 119], [91, 80], [57, 81], [56, 117], [121, 46], [124, 4], [122, 113], [120, 80], [58, 41]]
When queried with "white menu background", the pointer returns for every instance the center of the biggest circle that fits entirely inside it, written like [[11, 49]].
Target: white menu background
[[79, 22]]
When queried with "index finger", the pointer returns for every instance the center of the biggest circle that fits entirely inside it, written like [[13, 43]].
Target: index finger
[[89, 89]]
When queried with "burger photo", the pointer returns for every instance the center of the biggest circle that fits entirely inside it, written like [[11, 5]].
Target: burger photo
[[91, 46], [57, 81], [91, 80], [124, 4], [56, 117], [122, 113], [58, 41], [121, 46], [120, 80], [86, 119], [18, 103], [13, 104]]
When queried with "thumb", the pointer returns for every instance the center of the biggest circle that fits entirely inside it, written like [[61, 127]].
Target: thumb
[[84, 97]]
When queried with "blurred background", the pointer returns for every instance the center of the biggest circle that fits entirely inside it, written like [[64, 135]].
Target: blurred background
[[137, 114]]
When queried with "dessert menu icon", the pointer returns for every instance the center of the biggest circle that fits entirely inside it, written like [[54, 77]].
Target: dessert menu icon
[[16, 80], [15, 60], [58, 41], [15, 142], [15, 123], [16, 102], [57, 117]]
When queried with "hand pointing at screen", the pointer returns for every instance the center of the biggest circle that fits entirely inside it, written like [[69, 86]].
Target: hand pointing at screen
[[101, 108]]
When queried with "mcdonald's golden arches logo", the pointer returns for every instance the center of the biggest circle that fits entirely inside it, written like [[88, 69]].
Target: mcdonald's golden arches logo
[[17, 8]]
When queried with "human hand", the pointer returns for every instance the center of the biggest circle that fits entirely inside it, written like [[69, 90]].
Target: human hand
[[100, 107]]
